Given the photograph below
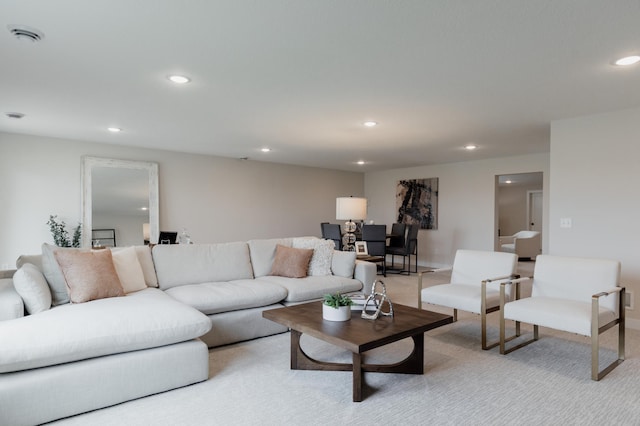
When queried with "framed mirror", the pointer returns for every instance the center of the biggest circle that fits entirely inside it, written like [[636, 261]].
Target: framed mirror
[[119, 202]]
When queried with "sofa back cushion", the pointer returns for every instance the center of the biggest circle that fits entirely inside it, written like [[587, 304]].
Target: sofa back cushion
[[263, 253], [183, 264]]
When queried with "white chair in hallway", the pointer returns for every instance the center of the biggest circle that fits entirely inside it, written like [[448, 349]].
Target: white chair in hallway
[[474, 285], [526, 244], [575, 295]]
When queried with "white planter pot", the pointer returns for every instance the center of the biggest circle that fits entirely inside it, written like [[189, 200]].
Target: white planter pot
[[343, 313]]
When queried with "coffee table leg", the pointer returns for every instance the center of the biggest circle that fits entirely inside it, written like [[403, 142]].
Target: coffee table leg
[[295, 347], [357, 377]]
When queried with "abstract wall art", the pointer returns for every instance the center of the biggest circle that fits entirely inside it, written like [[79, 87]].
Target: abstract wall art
[[417, 202]]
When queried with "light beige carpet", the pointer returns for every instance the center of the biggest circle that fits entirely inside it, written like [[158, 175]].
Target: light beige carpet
[[546, 383]]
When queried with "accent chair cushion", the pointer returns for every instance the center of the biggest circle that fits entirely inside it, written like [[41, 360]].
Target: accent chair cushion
[[89, 275], [32, 286], [291, 262]]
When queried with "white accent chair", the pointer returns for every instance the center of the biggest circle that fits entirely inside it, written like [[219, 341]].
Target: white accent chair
[[526, 244], [576, 295], [474, 286]]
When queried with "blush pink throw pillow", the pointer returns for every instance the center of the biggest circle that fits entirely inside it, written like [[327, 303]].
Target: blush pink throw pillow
[[291, 262], [89, 275]]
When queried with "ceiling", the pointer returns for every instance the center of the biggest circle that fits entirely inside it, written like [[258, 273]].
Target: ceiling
[[301, 76]]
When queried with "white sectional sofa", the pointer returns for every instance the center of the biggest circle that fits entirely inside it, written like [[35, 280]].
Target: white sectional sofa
[[76, 357]]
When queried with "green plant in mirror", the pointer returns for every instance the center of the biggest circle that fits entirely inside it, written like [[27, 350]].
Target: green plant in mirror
[[337, 300], [61, 235]]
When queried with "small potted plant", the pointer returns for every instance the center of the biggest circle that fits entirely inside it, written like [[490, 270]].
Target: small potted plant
[[336, 307]]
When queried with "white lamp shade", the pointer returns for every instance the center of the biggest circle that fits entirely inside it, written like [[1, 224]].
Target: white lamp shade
[[351, 208]]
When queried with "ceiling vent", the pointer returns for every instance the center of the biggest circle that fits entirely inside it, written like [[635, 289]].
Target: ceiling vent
[[16, 115], [22, 32]]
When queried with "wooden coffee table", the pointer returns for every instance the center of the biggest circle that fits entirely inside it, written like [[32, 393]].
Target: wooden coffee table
[[358, 335]]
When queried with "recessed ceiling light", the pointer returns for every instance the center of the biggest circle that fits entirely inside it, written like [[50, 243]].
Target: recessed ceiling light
[[370, 123], [360, 163], [628, 60], [179, 79], [470, 147], [114, 129], [16, 115], [266, 150]]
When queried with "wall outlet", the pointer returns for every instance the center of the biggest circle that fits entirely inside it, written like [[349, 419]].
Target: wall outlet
[[628, 300], [565, 222]]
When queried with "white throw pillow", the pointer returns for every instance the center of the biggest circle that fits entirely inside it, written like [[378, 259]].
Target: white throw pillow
[[320, 264], [343, 263], [33, 288], [129, 269]]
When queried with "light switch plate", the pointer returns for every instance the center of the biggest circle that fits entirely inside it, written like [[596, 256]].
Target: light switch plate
[[565, 222]]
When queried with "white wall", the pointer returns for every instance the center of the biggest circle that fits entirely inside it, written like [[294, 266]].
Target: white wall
[[467, 202], [594, 165], [217, 199], [512, 203]]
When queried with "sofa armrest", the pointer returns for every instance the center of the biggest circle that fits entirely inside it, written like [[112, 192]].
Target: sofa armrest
[[366, 273], [11, 304]]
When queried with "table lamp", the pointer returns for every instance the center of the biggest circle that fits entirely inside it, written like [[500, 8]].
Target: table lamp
[[350, 209]]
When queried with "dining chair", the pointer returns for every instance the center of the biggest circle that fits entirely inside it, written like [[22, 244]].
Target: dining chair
[[408, 249], [397, 235], [331, 231], [376, 239]]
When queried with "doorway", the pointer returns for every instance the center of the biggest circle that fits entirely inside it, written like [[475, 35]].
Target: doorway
[[518, 202]]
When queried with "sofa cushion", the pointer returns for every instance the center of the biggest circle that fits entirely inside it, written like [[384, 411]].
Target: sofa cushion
[[140, 320], [291, 262], [53, 274], [129, 269], [183, 264], [89, 275], [343, 263], [311, 288], [263, 252], [320, 264], [11, 304], [213, 298], [32, 286]]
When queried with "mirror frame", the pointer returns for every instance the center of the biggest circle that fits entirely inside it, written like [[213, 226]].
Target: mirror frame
[[89, 163]]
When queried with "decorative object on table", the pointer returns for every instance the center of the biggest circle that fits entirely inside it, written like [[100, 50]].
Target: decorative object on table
[[377, 299], [336, 307], [184, 238], [350, 209], [361, 248], [61, 235], [417, 202]]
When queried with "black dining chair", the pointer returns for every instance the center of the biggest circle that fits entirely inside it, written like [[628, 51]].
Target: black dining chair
[[409, 248], [376, 238], [331, 231], [397, 235]]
